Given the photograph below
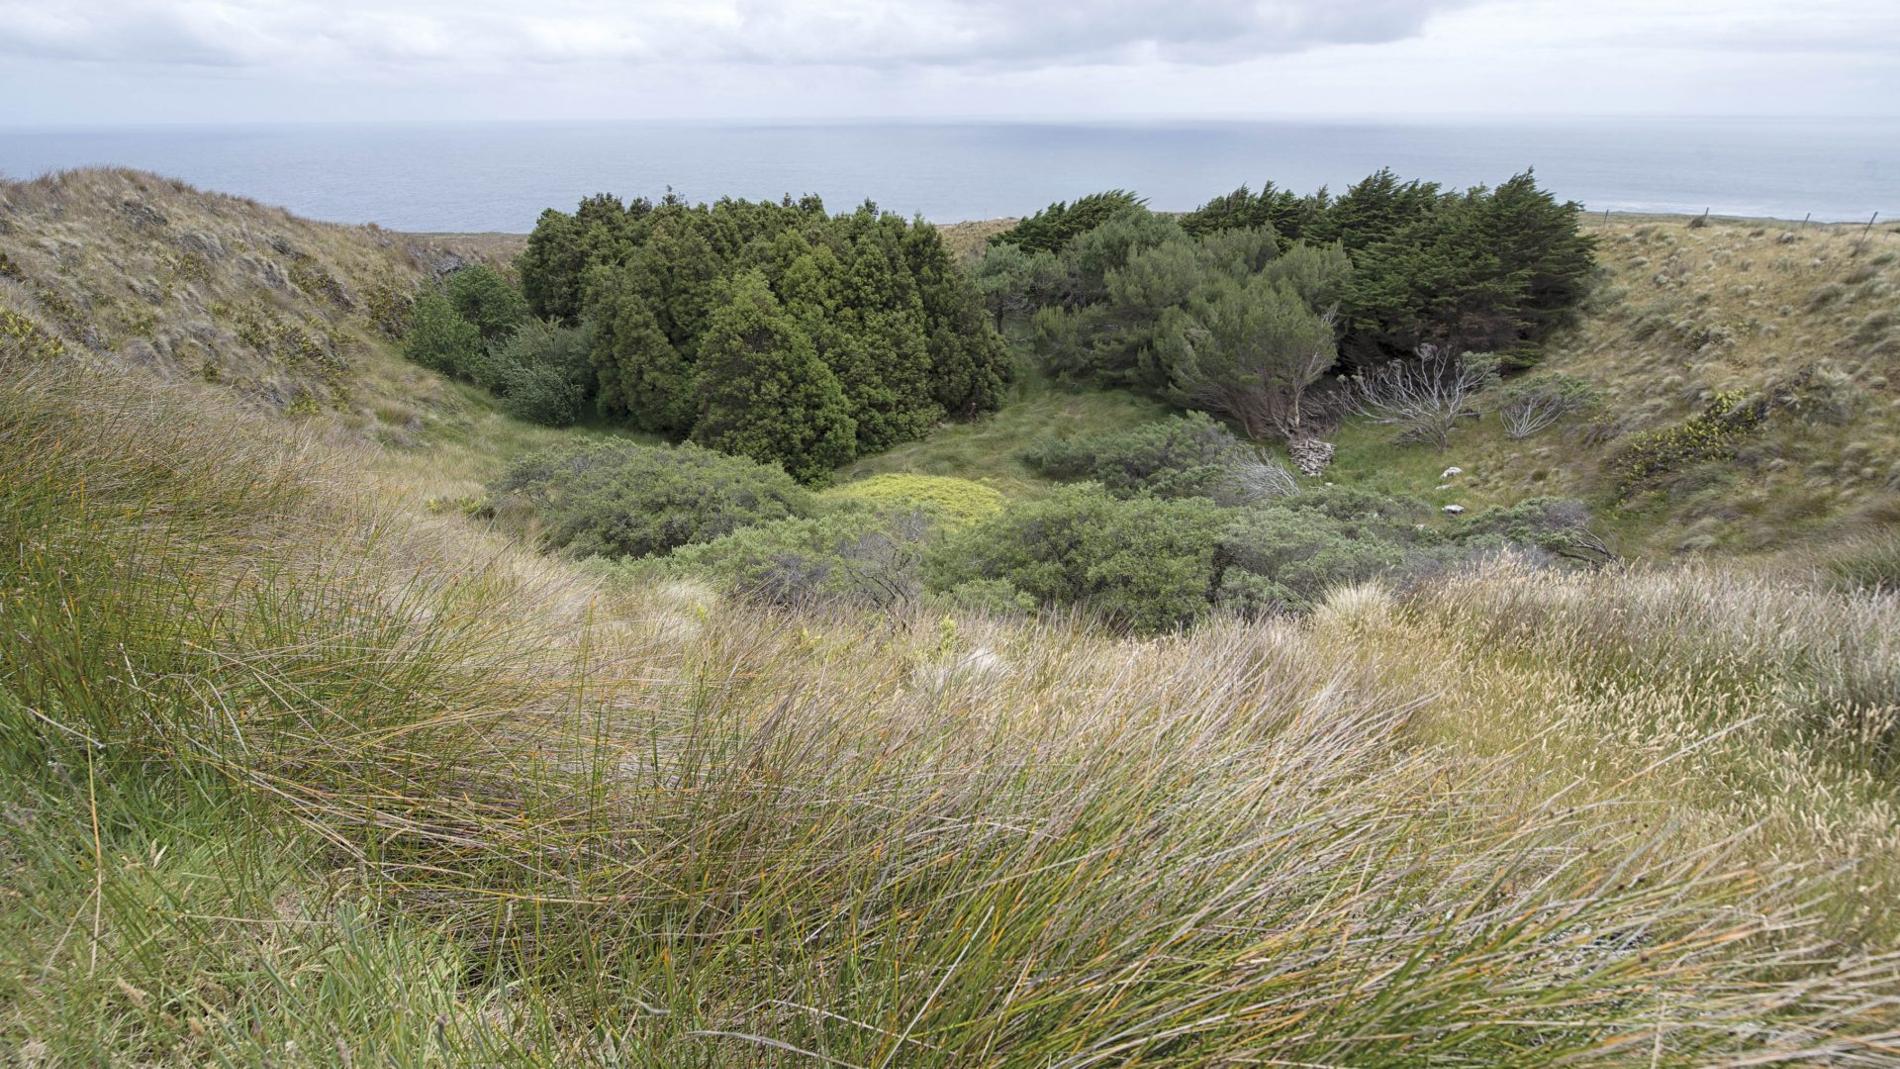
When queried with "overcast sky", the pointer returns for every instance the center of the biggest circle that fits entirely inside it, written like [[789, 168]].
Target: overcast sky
[[135, 61]]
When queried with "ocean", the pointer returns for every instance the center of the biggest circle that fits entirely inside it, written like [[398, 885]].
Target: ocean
[[499, 176]]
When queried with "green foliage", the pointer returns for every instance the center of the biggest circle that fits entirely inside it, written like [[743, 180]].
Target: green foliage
[[307, 275], [1223, 320], [868, 557], [1401, 264], [880, 302], [1152, 563], [1143, 563], [1287, 214], [488, 301], [439, 338], [389, 306], [763, 392], [1247, 351], [1013, 283], [1711, 434], [1487, 270], [1183, 456], [1055, 226], [22, 338], [1285, 558], [957, 502], [618, 499], [543, 372], [985, 597]]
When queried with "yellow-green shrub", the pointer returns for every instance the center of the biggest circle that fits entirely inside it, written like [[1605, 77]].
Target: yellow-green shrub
[[20, 336], [956, 501]]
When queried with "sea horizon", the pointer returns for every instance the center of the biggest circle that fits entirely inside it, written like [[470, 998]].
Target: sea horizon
[[498, 175]]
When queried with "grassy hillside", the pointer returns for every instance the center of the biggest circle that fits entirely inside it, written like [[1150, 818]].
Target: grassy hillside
[[1806, 319], [127, 269], [299, 770]]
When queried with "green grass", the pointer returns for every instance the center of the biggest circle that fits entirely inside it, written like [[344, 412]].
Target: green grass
[[985, 449]]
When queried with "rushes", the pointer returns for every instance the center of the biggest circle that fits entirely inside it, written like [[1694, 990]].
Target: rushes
[[443, 805]]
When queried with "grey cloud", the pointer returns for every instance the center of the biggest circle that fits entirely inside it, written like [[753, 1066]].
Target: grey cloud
[[863, 33]]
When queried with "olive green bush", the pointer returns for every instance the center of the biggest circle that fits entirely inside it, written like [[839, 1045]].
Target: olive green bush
[[543, 372], [619, 499], [863, 556], [1183, 456], [439, 338], [1288, 558], [484, 298], [1143, 563]]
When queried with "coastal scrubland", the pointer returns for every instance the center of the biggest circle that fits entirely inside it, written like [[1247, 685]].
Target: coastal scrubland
[[351, 718]]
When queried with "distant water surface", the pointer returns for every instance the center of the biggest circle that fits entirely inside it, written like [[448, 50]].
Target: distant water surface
[[499, 176]]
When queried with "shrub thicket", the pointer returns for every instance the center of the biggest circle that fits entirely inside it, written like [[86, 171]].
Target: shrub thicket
[[1184, 456], [619, 499], [1051, 228], [1144, 563], [543, 372], [870, 557], [439, 338], [1150, 564], [487, 300]]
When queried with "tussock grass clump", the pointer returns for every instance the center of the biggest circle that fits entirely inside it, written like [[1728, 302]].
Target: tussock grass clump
[[1757, 707], [408, 797]]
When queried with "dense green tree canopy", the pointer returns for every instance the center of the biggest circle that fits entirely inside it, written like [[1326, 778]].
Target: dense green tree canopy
[[763, 393], [874, 302]]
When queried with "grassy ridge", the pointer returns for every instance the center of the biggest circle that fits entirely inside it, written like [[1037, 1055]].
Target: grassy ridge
[[404, 793]]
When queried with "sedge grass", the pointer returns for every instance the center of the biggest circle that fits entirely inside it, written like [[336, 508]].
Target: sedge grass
[[297, 777]]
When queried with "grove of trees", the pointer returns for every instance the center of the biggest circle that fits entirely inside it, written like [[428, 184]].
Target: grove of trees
[[773, 330], [1238, 307]]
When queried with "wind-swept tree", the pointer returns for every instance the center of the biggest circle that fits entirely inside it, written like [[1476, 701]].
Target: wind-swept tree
[[1248, 351]]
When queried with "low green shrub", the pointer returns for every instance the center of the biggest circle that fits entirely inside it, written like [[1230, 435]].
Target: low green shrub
[[542, 372], [1279, 559], [439, 338], [619, 499], [860, 556], [954, 501], [22, 338], [1182, 456], [1711, 434], [389, 306], [986, 597], [1144, 563]]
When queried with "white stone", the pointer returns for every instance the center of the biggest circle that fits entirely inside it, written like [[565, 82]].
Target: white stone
[[1454, 510], [1449, 472]]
